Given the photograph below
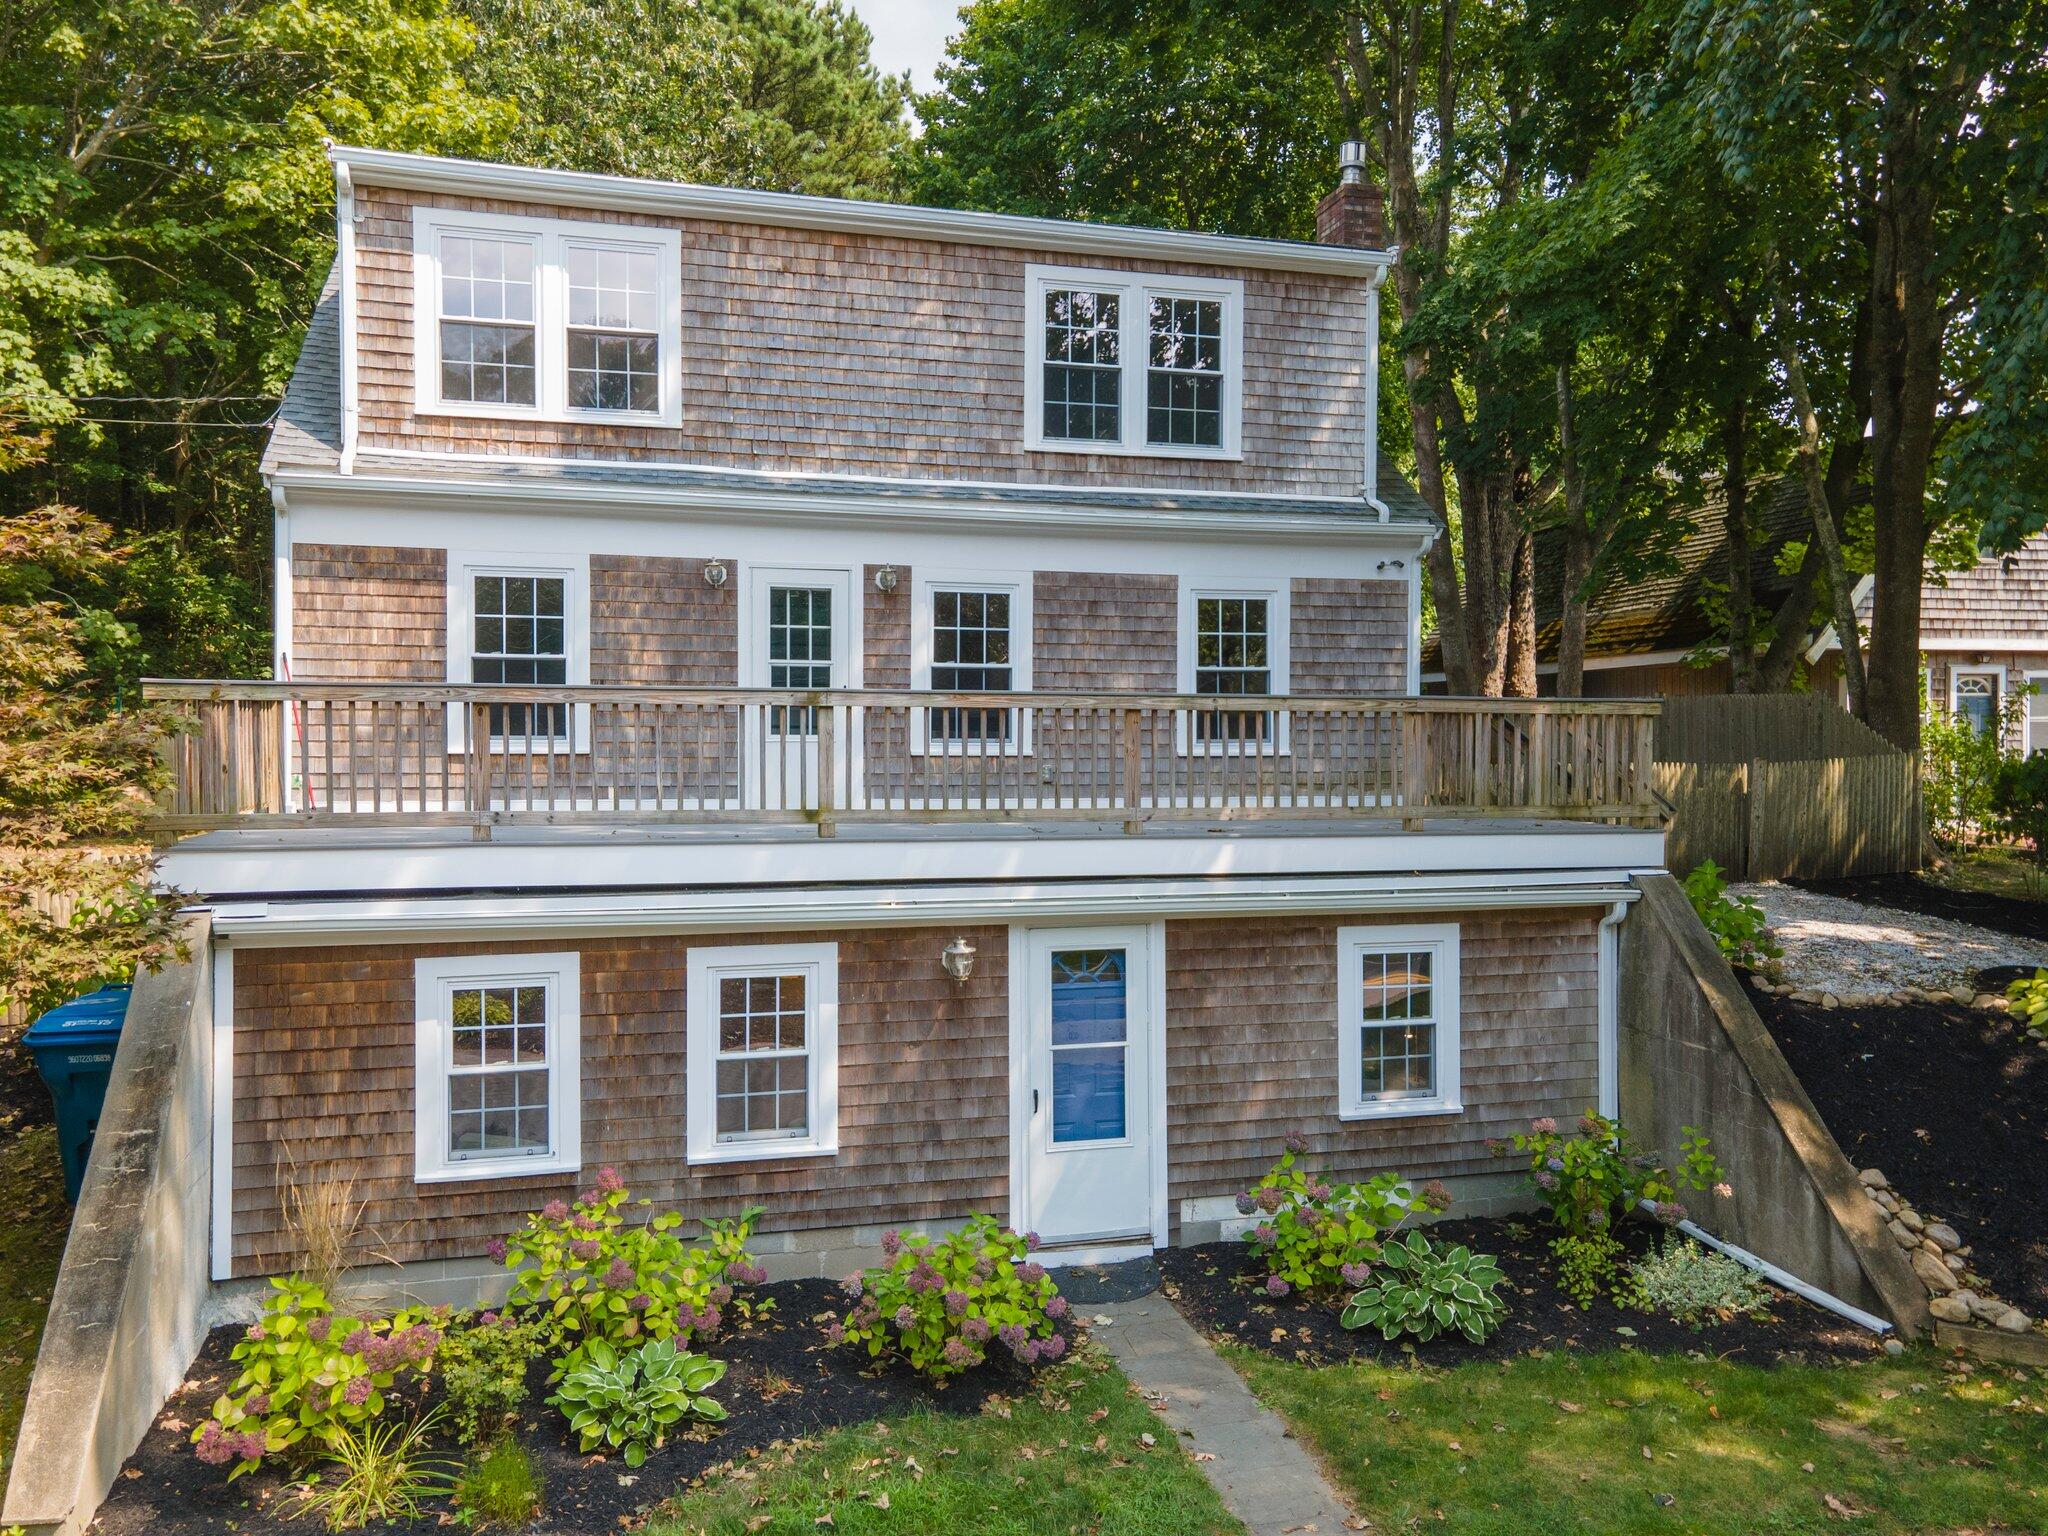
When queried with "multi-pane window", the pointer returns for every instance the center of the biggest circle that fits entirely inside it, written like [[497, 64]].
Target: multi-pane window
[[496, 1080], [1184, 372], [764, 1059], [1397, 1000], [799, 649], [1083, 379], [762, 1076], [2037, 713], [519, 635], [614, 338], [498, 1089], [971, 654], [487, 321], [1976, 700], [1233, 658]]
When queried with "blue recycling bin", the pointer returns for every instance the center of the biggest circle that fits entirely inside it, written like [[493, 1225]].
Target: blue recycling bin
[[73, 1045]]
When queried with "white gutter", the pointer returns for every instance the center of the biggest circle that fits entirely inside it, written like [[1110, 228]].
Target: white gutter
[[1372, 394], [1609, 1009], [481, 178], [345, 256], [1783, 1279]]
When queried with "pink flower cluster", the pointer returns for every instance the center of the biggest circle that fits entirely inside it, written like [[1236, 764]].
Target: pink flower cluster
[[619, 1276], [495, 1248], [584, 1249], [906, 1317], [555, 1210], [391, 1351], [1275, 1286], [961, 1354], [892, 1242], [1543, 1125], [1356, 1275], [975, 1331], [853, 1285], [955, 1303], [1670, 1212], [1436, 1196], [745, 1273], [923, 1279], [1295, 1142], [698, 1320], [1057, 1307], [217, 1446], [1270, 1199], [1031, 1273]]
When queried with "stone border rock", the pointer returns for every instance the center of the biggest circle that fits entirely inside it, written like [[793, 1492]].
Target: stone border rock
[[1941, 1261], [1985, 1002]]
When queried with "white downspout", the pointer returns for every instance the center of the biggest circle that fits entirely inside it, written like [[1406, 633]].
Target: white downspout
[[1609, 1008], [345, 256], [1372, 395]]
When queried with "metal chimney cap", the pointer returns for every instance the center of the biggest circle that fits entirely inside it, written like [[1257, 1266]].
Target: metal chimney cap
[[1351, 161]]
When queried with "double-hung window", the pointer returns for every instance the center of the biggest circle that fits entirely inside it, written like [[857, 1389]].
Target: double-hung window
[[1233, 645], [973, 636], [547, 318], [762, 1075], [1397, 1021], [496, 1055], [1125, 362], [2037, 713]]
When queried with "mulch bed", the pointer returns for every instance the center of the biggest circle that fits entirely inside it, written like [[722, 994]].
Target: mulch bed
[[1215, 1286], [783, 1382], [1952, 1104], [1909, 893]]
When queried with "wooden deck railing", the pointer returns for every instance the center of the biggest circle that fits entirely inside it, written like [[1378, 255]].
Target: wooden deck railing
[[302, 754]]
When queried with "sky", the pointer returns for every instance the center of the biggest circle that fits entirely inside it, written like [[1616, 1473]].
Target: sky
[[909, 34]]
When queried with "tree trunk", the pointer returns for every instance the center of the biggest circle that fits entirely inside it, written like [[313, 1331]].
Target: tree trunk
[[1520, 679], [1578, 549], [1735, 519]]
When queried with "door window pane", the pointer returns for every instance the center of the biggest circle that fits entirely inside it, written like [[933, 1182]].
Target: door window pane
[[799, 650], [971, 654], [1233, 659], [1090, 1046], [520, 636], [1977, 701]]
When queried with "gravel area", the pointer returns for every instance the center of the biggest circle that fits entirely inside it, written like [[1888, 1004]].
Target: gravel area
[[1835, 945]]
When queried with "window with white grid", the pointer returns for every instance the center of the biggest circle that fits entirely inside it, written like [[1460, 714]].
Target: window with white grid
[[1233, 659], [1397, 1025], [1184, 372], [762, 1074], [614, 329], [971, 654], [1083, 366], [487, 320], [497, 1069]]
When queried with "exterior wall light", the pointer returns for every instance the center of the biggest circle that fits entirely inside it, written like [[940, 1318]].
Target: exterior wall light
[[885, 581], [958, 960], [715, 574], [1392, 565]]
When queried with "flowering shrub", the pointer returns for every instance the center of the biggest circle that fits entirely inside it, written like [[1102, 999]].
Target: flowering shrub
[[1422, 1289], [309, 1372], [940, 1304], [1594, 1176], [483, 1373], [587, 1272], [1314, 1236]]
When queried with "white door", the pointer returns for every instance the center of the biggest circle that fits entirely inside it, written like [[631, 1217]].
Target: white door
[[1087, 1085], [800, 625]]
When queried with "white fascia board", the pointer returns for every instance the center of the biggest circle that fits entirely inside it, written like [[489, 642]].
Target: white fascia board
[[676, 199], [419, 918], [283, 867], [810, 508], [2028, 643], [1829, 639]]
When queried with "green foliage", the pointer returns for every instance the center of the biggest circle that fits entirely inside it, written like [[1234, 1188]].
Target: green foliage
[[500, 1488], [379, 1473], [1593, 1177], [1736, 922], [311, 1374], [1422, 1289], [2019, 804], [1960, 768], [586, 1272], [939, 1305], [1310, 1232], [1693, 1284], [483, 1373], [2029, 998], [630, 1399]]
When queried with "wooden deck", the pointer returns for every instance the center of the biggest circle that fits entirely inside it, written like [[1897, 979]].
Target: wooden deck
[[261, 754]]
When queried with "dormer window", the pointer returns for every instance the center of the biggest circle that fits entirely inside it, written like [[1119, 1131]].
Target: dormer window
[[1125, 363], [547, 318]]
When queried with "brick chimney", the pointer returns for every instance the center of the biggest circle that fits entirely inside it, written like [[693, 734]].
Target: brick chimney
[[1354, 211]]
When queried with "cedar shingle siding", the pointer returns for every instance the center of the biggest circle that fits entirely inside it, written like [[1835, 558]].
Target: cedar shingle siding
[[369, 614], [1348, 637], [324, 1051], [1103, 633], [814, 351]]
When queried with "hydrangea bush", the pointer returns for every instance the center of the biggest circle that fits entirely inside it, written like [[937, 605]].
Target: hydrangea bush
[[310, 1374], [483, 1373], [1315, 1236], [943, 1304], [585, 1271], [1594, 1176]]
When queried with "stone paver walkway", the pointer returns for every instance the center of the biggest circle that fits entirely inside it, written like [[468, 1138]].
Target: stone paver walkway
[[1265, 1478]]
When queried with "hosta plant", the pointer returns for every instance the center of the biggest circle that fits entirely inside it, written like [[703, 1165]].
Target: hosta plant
[[1421, 1289], [629, 1399], [1315, 1236], [2029, 999], [586, 1271], [311, 1374], [942, 1305]]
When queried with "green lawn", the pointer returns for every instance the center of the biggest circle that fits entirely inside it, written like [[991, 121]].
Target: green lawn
[[1068, 1459], [1592, 1444], [31, 1242]]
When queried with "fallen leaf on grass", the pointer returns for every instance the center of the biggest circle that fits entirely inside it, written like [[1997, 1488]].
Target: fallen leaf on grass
[[881, 1501], [1571, 1407], [1845, 1508], [1147, 1440]]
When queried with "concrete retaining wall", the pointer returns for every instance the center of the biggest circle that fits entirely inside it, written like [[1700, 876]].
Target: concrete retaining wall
[[1694, 1052], [125, 1318]]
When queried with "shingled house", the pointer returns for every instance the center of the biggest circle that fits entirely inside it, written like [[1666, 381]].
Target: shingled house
[[879, 712]]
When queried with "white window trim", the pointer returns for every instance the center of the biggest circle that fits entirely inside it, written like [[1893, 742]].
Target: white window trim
[[550, 239], [1354, 942], [1277, 592], [1997, 676], [434, 977], [705, 967], [2035, 727], [1133, 289], [463, 566], [925, 584]]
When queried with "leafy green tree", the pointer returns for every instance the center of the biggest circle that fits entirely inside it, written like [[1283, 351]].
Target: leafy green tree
[[777, 94], [165, 223]]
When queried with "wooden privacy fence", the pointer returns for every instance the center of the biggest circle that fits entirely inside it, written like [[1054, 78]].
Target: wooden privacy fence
[[276, 754], [1773, 786]]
